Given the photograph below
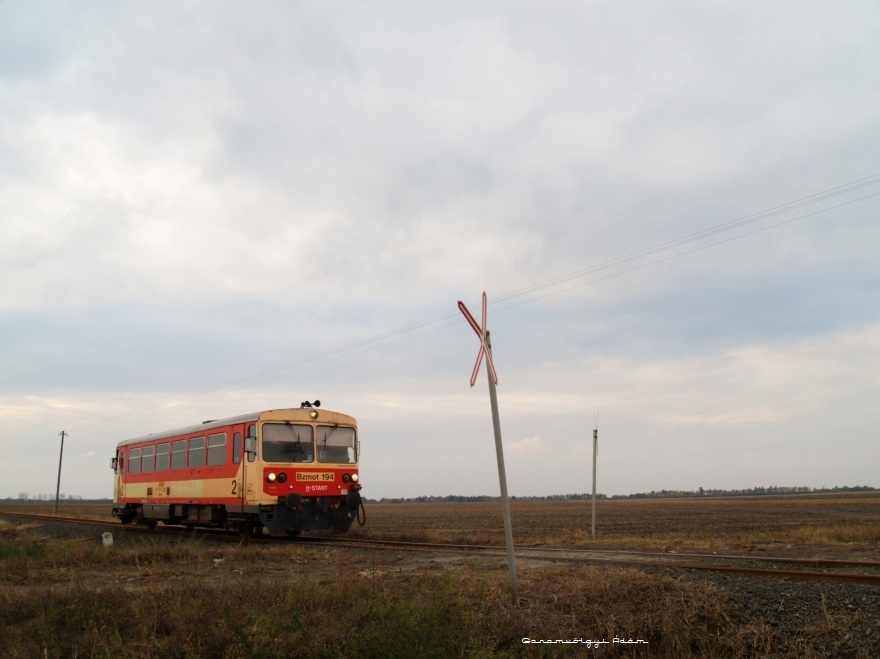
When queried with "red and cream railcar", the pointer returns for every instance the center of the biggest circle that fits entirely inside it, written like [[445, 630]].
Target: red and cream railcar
[[286, 470]]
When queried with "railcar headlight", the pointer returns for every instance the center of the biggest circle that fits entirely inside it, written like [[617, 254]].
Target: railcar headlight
[[354, 478], [346, 478], [282, 477], [271, 477]]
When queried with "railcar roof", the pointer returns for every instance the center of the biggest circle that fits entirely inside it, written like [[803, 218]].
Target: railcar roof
[[208, 425], [199, 427]]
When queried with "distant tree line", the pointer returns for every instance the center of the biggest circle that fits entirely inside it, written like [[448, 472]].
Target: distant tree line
[[653, 494], [456, 498], [40, 498], [748, 492]]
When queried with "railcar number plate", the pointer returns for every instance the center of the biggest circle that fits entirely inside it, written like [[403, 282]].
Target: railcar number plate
[[315, 477]]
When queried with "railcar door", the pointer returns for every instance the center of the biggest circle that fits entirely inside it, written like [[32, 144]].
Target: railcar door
[[238, 485], [119, 485]]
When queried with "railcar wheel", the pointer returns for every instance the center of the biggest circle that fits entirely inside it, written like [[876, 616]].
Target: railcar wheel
[[293, 533]]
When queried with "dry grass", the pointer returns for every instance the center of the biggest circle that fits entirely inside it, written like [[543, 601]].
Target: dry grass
[[8, 530], [677, 618], [29, 558], [346, 608]]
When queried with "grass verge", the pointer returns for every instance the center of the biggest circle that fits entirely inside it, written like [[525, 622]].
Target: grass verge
[[428, 615]]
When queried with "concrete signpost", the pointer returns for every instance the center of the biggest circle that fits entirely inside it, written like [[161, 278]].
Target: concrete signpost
[[486, 349], [595, 454], [63, 433]]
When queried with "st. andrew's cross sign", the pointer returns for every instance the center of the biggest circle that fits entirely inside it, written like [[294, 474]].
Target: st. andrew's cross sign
[[482, 332], [486, 349]]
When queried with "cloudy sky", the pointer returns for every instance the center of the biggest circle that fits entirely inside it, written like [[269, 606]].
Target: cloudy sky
[[212, 208]]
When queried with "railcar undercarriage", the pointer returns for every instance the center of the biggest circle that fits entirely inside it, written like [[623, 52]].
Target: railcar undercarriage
[[287, 517]]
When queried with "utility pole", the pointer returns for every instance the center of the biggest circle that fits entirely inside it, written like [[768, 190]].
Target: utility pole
[[595, 453], [60, 458]]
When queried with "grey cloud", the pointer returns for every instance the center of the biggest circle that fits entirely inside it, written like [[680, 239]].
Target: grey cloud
[[192, 195]]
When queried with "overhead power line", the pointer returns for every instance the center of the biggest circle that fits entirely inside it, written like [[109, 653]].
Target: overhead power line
[[705, 233]]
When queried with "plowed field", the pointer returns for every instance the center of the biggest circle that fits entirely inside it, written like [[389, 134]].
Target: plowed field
[[833, 520]]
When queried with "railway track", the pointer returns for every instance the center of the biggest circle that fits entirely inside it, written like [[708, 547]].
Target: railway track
[[832, 570], [707, 562]]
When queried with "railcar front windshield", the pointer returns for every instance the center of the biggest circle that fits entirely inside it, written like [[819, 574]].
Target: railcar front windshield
[[288, 442], [337, 445]]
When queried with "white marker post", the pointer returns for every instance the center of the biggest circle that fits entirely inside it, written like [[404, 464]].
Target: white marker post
[[486, 349]]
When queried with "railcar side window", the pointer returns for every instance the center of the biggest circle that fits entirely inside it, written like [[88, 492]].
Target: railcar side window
[[236, 448], [178, 454], [288, 442], [196, 452], [134, 461], [252, 432], [337, 445], [162, 457], [147, 459], [217, 449]]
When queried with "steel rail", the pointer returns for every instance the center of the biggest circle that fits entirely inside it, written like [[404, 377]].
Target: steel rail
[[816, 562]]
